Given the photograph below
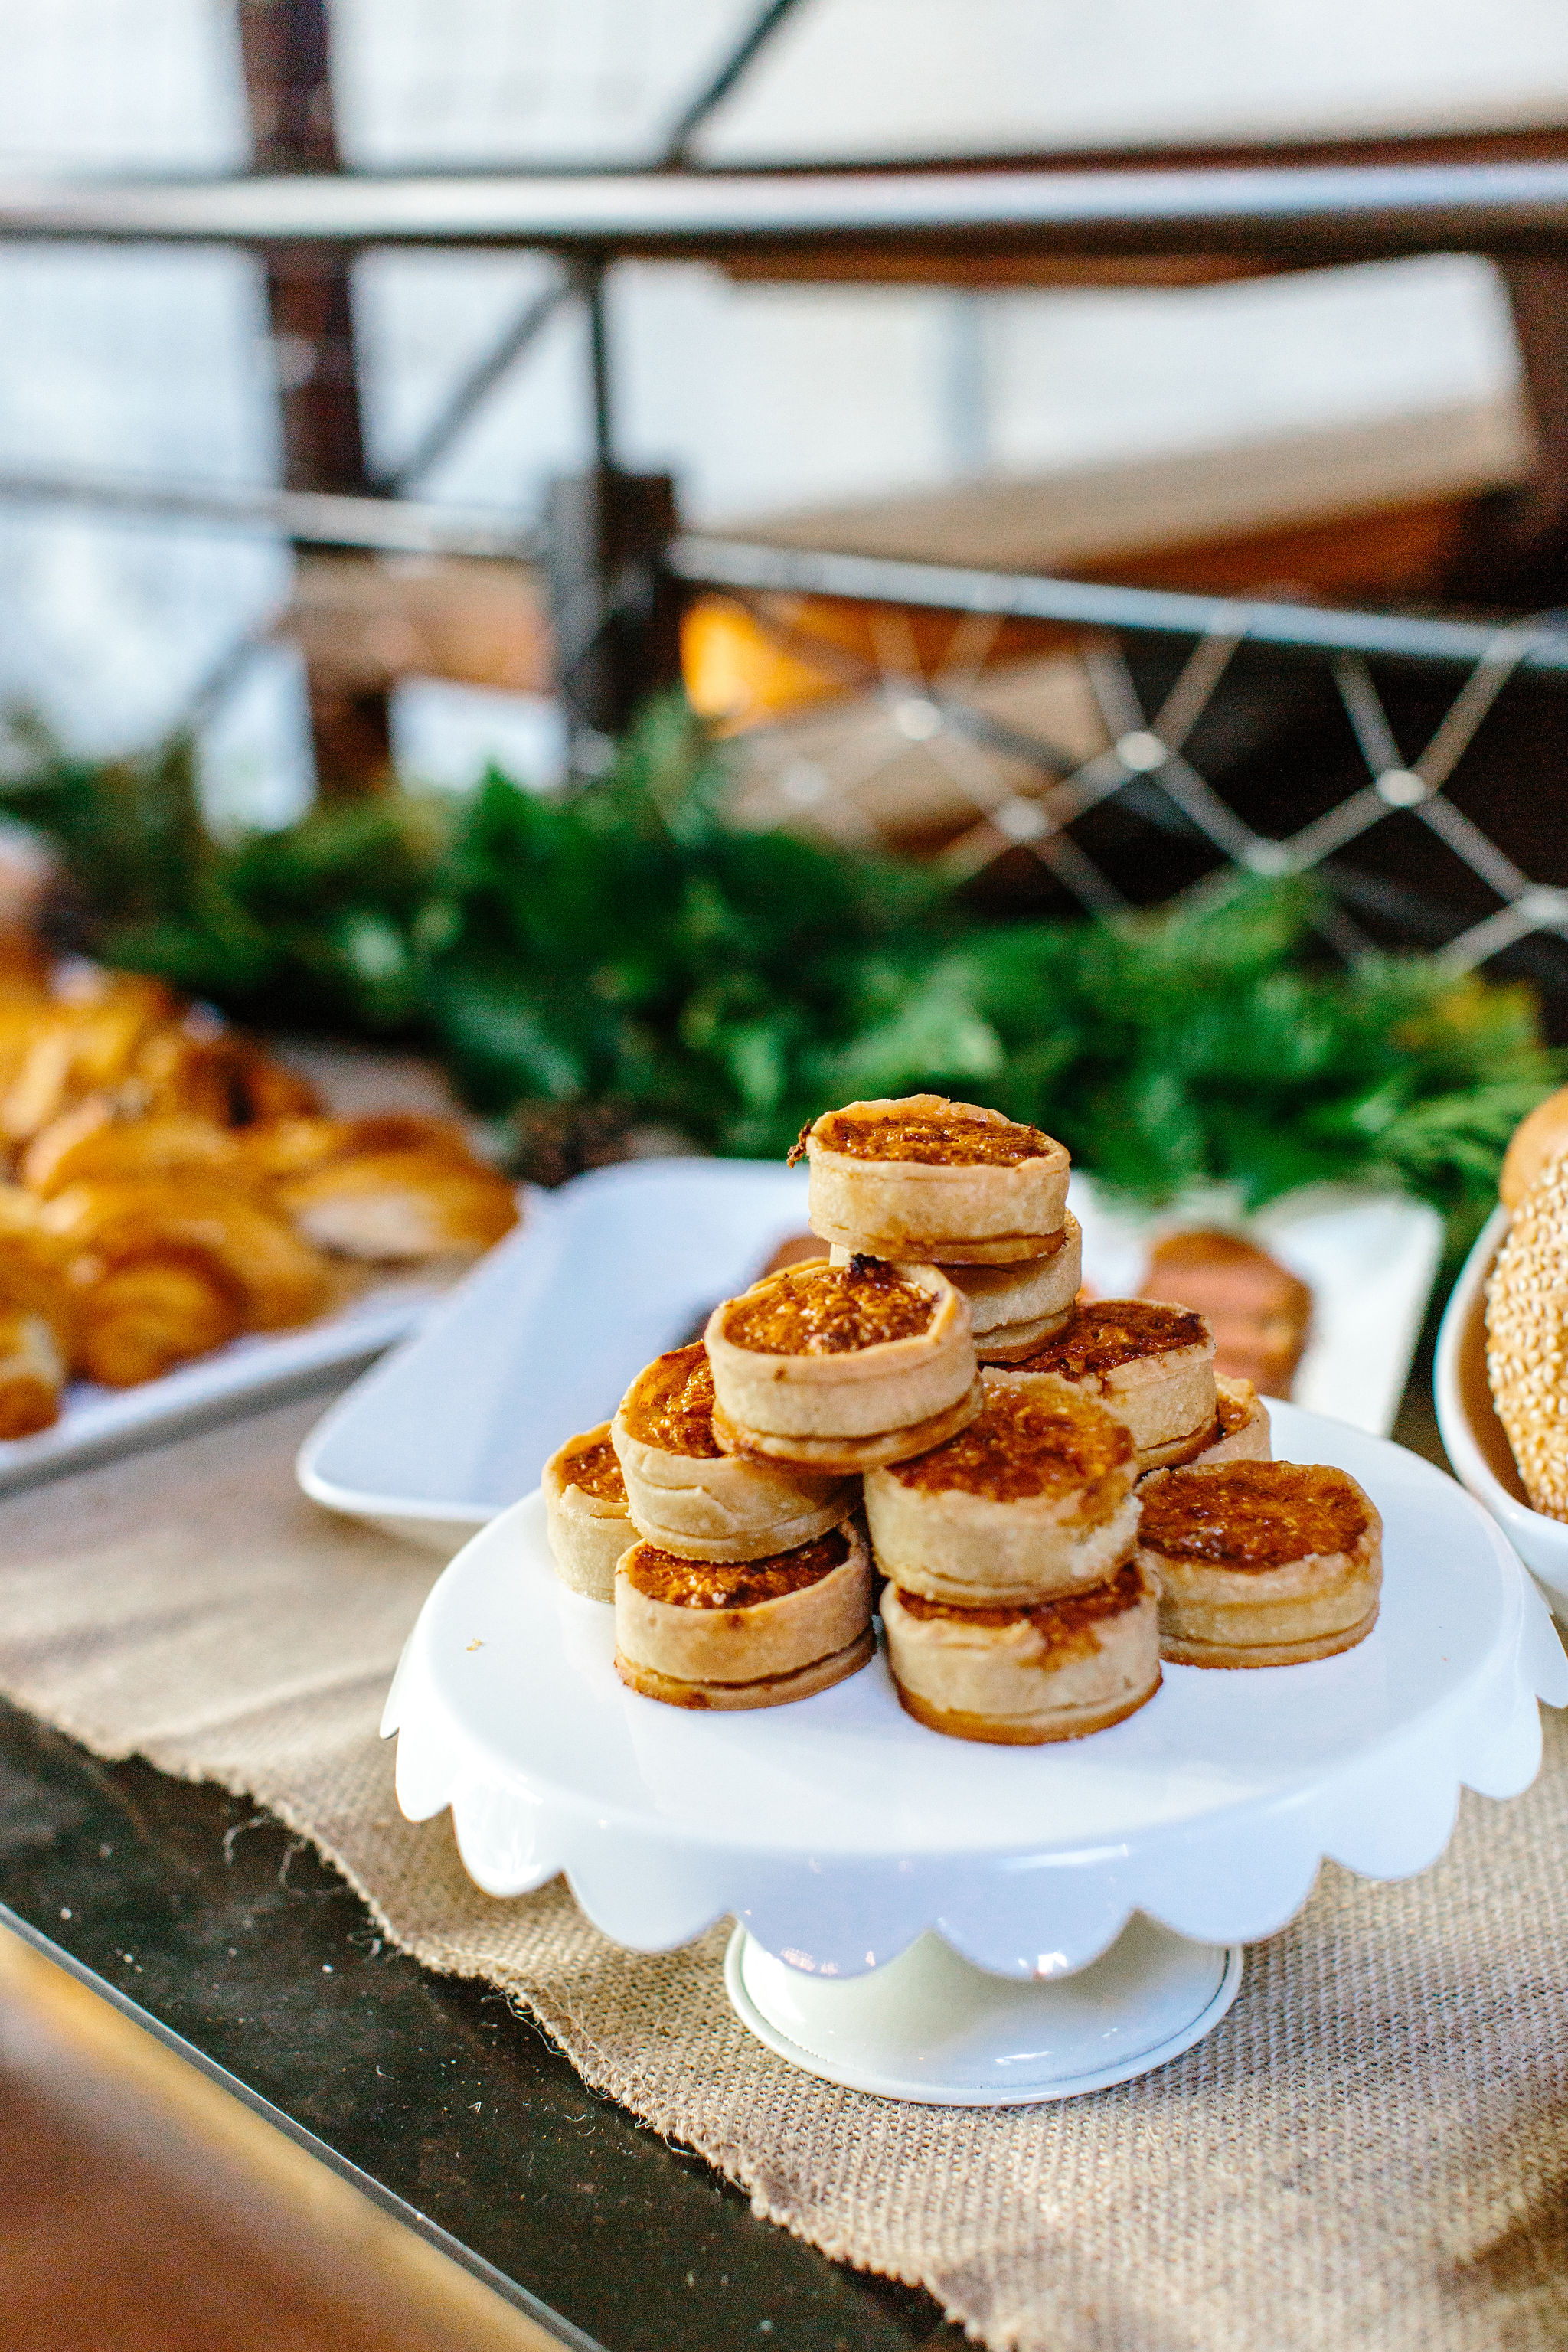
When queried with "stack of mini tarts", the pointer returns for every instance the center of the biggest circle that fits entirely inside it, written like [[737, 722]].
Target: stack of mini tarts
[[1260, 1563], [1152, 1367], [1015, 1610], [922, 1180], [746, 1589]]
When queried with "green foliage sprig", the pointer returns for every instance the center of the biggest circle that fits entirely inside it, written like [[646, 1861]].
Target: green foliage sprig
[[622, 943]]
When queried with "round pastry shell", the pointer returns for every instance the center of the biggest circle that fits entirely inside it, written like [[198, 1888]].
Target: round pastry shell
[[974, 1550], [1211, 1614], [865, 1393], [854, 1454], [1018, 1306], [1252, 1438], [964, 1214], [1167, 1400], [769, 1690], [587, 1533], [1013, 1685], [747, 1645], [729, 1506]]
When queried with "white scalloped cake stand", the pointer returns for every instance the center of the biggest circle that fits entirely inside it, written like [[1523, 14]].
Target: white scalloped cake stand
[[932, 1919]]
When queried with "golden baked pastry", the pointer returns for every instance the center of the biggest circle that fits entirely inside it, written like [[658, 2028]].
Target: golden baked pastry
[[1033, 1499], [1013, 1308], [103, 1136], [838, 1368], [1258, 1311], [685, 1493], [1242, 1429], [398, 1206], [32, 1372], [1527, 1339], [1261, 1563], [586, 1513], [928, 1181], [140, 1314], [1151, 1366], [292, 1145], [83, 1042], [745, 1633], [1019, 1677], [279, 1278]]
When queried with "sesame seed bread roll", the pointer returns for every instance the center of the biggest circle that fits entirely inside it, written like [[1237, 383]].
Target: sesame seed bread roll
[[1020, 1676], [1013, 1308], [1151, 1366], [1527, 1339], [1034, 1499], [586, 1513], [1260, 1563], [922, 1179], [685, 1493], [738, 1634], [836, 1368], [1540, 1138]]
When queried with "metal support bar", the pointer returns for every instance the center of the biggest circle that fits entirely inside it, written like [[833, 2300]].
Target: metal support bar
[[476, 388], [310, 518], [593, 285], [1087, 605], [717, 88]]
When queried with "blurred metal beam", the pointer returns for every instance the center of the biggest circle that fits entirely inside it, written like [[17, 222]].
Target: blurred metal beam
[[309, 517], [511, 345], [1258, 218], [1087, 605]]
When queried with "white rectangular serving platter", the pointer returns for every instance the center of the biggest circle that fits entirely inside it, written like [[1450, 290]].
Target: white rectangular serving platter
[[95, 1422], [541, 1339]]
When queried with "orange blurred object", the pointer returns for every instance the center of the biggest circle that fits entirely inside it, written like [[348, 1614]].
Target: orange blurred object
[[1258, 1310]]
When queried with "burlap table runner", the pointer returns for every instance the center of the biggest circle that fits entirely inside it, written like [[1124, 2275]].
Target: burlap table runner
[[1372, 2149]]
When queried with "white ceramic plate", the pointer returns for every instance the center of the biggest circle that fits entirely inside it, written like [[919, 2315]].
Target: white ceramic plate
[[98, 1421], [543, 1337], [837, 1828]]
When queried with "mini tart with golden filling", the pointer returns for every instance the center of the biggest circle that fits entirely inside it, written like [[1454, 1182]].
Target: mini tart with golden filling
[[744, 1634], [683, 1491], [1033, 1499], [1012, 1309], [1261, 1563], [1018, 1676], [839, 1367], [586, 1513], [1242, 1429], [1151, 1366], [922, 1179]]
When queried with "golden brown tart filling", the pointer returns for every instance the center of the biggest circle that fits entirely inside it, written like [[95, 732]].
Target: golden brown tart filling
[[1059, 1622], [738, 1584], [830, 1310], [1256, 1515], [936, 1139], [1109, 1333], [592, 1466], [1021, 1445], [671, 1405]]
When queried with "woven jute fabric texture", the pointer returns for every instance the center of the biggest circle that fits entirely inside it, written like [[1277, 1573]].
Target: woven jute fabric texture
[[1371, 2150]]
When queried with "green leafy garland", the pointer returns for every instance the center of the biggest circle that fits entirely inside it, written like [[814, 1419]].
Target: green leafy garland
[[622, 944]]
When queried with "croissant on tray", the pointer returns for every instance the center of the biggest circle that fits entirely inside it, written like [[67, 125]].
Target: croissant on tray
[[175, 1186]]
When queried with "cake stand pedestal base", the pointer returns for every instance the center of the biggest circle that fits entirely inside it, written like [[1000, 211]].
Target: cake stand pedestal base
[[932, 2027]]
